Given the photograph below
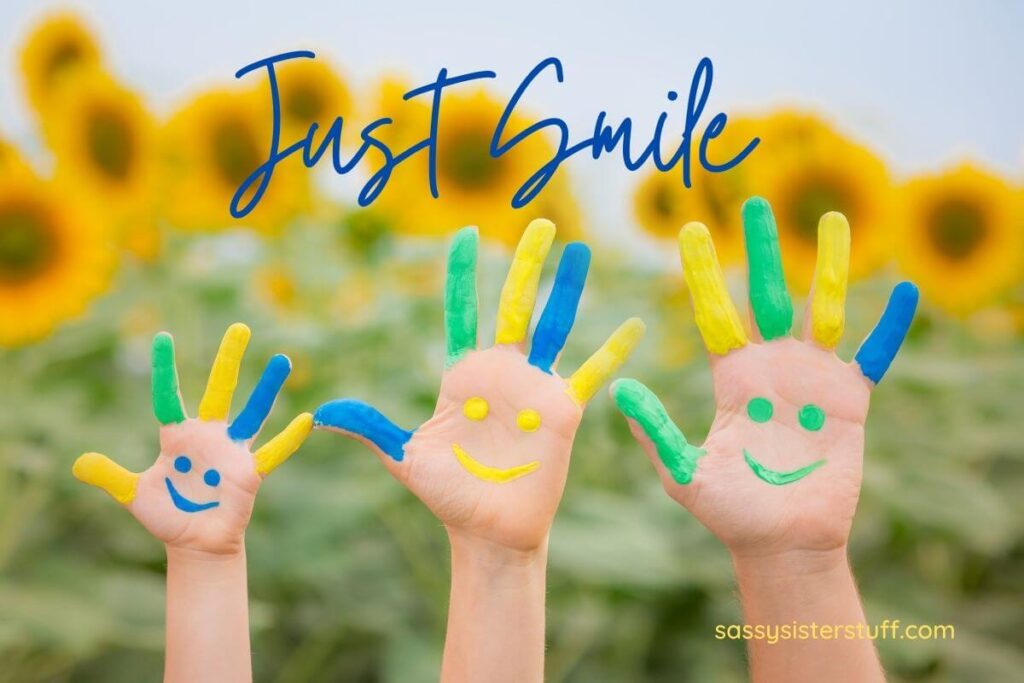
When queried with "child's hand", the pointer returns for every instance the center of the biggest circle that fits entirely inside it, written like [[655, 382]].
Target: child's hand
[[781, 468], [199, 493], [492, 461]]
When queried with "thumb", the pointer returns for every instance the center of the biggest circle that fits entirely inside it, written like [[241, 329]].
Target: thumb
[[364, 423], [100, 471]]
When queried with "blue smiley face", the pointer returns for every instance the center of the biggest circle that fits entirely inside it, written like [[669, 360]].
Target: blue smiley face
[[211, 478]]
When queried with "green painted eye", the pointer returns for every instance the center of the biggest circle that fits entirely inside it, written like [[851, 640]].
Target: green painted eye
[[760, 409], [812, 418]]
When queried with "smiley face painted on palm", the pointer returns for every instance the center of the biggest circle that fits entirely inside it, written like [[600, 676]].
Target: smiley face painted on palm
[[810, 417], [211, 478]]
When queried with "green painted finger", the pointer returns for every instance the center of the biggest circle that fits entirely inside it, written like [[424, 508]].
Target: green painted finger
[[460, 306], [773, 310], [639, 403], [166, 397]]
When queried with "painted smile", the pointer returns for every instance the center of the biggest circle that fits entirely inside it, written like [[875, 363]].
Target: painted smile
[[183, 503], [493, 474], [779, 478]]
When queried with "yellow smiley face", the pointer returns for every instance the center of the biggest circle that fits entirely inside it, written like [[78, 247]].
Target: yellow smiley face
[[477, 409]]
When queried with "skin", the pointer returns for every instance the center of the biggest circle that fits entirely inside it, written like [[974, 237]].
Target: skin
[[788, 539], [207, 600]]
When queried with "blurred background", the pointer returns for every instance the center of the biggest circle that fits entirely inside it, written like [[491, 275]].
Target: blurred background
[[123, 136]]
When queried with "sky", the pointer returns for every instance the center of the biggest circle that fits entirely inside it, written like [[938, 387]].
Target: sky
[[923, 83]]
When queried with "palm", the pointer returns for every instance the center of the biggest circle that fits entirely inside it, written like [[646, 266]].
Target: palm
[[493, 459], [199, 493], [781, 466]]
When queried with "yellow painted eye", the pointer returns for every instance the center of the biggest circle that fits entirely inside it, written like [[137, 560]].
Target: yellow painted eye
[[475, 408], [528, 420]]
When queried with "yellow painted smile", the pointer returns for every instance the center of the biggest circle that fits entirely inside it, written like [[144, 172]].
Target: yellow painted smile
[[494, 474]]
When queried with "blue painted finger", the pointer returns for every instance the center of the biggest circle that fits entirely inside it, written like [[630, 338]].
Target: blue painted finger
[[261, 400], [878, 350], [363, 420], [560, 312]]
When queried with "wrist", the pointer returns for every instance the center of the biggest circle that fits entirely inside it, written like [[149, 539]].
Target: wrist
[[493, 559], [206, 565], [790, 564]]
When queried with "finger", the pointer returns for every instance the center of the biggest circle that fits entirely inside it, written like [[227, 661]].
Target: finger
[[261, 400], [167, 404], [827, 310], [224, 374], [280, 448], [100, 471], [713, 309], [560, 311], [363, 421], [596, 370], [520, 291], [769, 300], [876, 353], [460, 301]]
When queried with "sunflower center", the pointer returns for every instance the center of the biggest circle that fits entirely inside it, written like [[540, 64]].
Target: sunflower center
[[816, 198], [234, 152], [467, 162], [957, 227], [663, 201], [110, 143], [64, 55], [27, 243], [304, 104]]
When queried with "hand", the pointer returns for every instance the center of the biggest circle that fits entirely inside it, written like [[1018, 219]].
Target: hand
[[781, 467], [199, 493], [492, 461]]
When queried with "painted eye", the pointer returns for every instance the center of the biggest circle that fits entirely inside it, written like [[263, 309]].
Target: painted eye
[[528, 420], [812, 418], [182, 464], [475, 408], [211, 477], [760, 409]]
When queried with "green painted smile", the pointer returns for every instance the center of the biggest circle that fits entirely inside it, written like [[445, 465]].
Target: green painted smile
[[779, 478]]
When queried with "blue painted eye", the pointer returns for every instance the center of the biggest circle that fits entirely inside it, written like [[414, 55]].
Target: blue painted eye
[[182, 464], [212, 477]]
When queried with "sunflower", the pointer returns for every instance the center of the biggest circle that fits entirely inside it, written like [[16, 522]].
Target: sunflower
[[10, 159], [474, 187], [103, 139], [311, 91], [662, 204], [805, 170], [52, 261], [53, 52], [211, 145], [962, 236]]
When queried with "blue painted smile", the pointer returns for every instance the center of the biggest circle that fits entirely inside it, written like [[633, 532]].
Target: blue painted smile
[[183, 503]]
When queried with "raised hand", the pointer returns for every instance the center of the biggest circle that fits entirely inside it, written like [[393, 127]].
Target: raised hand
[[781, 467], [492, 461], [199, 493]]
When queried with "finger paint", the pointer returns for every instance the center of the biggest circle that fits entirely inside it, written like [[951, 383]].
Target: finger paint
[[811, 417], [639, 403], [220, 387], [773, 309], [776, 478], [878, 350], [166, 394], [460, 299], [519, 293], [831, 273], [528, 420], [596, 370], [100, 471], [760, 409], [491, 474], [281, 447], [261, 400], [713, 309], [363, 420], [560, 311]]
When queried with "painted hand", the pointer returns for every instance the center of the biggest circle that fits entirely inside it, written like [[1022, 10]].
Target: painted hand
[[199, 493], [492, 461], [781, 467]]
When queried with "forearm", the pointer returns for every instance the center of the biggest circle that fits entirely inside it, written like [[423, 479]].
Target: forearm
[[207, 618], [806, 588], [496, 616]]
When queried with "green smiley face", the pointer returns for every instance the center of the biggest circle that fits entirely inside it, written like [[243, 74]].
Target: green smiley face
[[811, 418]]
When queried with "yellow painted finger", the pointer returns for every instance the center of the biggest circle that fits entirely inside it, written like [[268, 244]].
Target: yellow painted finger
[[224, 375], [98, 470], [519, 293], [831, 272], [281, 447], [713, 309], [596, 370]]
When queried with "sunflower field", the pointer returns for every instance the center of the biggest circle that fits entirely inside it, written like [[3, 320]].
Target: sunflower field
[[114, 225]]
